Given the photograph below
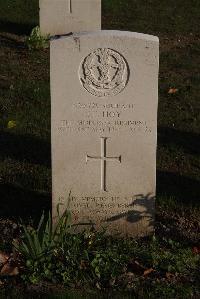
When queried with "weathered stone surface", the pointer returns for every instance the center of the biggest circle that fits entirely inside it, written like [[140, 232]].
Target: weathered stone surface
[[59, 17], [104, 88]]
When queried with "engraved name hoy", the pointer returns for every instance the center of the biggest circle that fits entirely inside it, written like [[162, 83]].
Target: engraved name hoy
[[104, 159], [104, 72]]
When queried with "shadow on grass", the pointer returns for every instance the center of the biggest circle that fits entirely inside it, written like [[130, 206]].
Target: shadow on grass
[[185, 190], [178, 200], [18, 16], [18, 202], [15, 28], [188, 141], [25, 148], [12, 43]]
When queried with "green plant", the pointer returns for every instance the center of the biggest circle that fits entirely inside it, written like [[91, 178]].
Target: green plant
[[36, 40], [45, 238]]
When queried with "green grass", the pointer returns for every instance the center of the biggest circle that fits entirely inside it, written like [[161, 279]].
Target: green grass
[[18, 16], [144, 268], [152, 16]]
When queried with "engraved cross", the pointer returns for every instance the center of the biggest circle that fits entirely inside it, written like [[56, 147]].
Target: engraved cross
[[104, 159]]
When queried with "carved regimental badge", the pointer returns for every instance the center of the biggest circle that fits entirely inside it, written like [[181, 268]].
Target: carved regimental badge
[[104, 72]]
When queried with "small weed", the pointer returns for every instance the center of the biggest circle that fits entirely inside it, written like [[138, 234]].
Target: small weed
[[36, 40], [36, 243]]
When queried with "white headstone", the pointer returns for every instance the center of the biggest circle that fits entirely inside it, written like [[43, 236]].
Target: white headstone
[[104, 89], [59, 17]]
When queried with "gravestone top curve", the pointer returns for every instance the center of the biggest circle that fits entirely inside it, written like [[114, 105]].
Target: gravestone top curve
[[116, 33]]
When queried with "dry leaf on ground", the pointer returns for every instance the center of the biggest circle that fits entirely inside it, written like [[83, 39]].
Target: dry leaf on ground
[[3, 258], [196, 250], [9, 270], [148, 271], [172, 90], [169, 275]]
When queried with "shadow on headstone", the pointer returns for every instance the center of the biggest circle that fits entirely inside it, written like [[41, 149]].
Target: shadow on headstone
[[146, 209]]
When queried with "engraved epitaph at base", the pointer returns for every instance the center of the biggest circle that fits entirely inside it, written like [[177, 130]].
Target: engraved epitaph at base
[[104, 144]]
